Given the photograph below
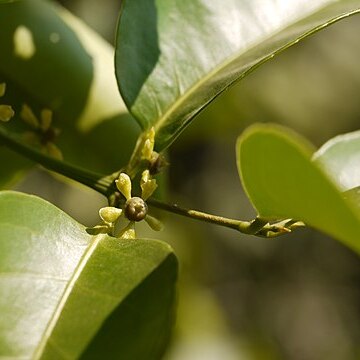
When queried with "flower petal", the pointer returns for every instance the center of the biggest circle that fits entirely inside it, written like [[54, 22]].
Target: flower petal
[[154, 223], [123, 183], [2, 89], [29, 117], [110, 214], [6, 112]]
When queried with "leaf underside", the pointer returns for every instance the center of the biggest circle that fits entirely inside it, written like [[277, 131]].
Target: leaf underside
[[173, 58]]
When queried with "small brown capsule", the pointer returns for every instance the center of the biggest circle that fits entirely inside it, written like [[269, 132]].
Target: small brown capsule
[[135, 209]]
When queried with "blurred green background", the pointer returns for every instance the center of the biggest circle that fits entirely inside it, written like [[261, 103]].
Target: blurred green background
[[240, 297]]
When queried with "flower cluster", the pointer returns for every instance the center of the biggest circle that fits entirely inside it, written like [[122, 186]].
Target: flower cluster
[[135, 208], [42, 134]]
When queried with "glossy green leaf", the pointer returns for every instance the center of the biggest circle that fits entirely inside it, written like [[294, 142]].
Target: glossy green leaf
[[173, 58], [283, 182], [50, 59], [340, 157], [64, 292]]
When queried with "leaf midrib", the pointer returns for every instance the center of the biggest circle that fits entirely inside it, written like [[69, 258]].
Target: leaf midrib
[[192, 89], [64, 297]]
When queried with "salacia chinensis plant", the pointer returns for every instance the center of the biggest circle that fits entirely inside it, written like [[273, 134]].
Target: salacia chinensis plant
[[103, 292]]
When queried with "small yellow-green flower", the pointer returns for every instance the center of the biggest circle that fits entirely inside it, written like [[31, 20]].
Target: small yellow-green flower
[[6, 111], [135, 208]]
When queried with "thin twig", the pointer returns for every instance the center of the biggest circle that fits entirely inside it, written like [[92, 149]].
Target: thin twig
[[259, 226]]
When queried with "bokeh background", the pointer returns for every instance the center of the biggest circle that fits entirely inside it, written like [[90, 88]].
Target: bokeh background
[[240, 297]]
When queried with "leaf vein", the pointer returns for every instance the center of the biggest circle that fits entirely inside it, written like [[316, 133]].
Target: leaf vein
[[62, 302]]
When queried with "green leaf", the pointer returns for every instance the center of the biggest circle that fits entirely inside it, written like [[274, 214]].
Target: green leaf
[[353, 195], [340, 157], [173, 58], [50, 59], [64, 292], [283, 182]]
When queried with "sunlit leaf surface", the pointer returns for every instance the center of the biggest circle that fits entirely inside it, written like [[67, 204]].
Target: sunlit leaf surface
[[64, 292]]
